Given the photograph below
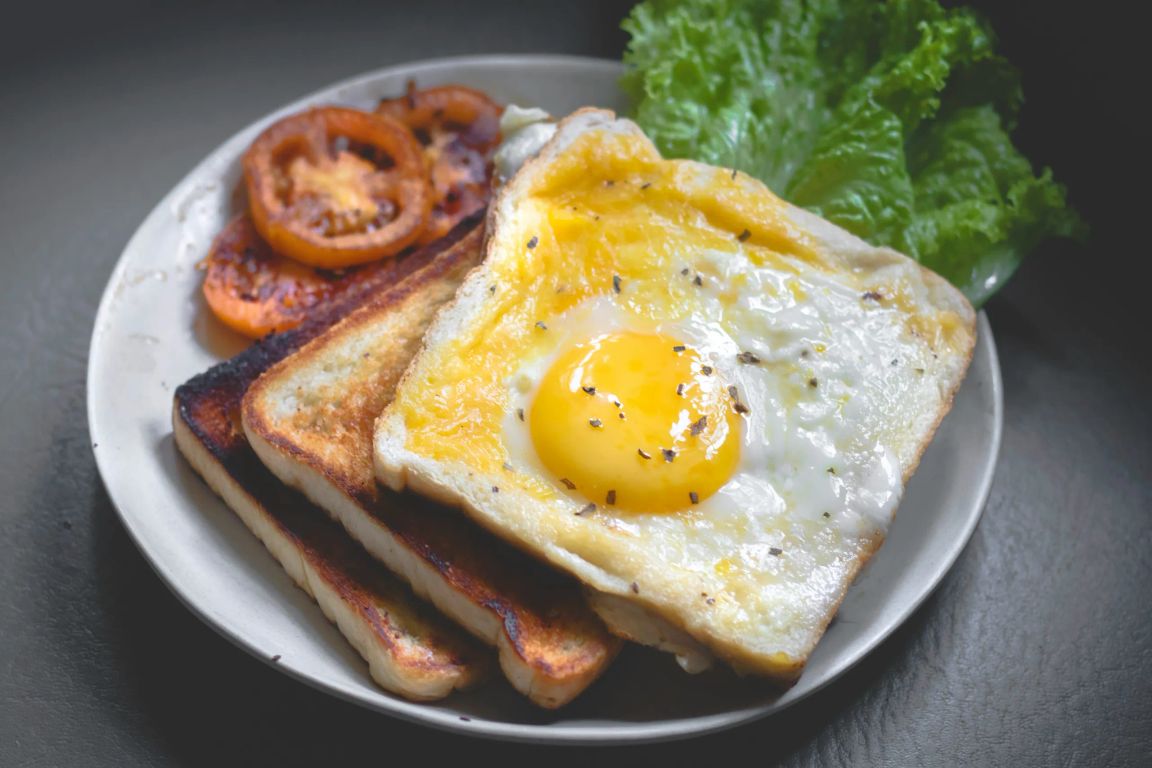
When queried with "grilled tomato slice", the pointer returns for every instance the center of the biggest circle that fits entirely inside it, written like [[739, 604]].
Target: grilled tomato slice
[[334, 187], [459, 129], [256, 291]]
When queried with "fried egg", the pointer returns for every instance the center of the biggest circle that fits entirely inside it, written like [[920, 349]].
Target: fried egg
[[680, 388]]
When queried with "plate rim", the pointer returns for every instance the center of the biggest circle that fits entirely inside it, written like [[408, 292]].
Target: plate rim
[[413, 712]]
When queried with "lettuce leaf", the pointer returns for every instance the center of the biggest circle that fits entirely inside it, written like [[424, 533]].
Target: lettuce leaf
[[891, 119]]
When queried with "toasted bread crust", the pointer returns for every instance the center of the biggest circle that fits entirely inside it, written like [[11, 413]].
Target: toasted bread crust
[[332, 433], [398, 469], [310, 418], [410, 649]]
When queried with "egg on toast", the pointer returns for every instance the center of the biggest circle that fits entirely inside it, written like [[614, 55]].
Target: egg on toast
[[700, 400]]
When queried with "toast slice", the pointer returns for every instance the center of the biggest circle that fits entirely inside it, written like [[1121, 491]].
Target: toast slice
[[410, 648], [310, 420], [825, 363]]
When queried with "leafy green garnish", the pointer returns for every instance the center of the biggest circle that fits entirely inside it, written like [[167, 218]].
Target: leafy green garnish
[[890, 119]]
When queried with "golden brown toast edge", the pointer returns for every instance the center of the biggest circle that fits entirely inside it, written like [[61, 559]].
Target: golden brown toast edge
[[411, 650], [550, 642]]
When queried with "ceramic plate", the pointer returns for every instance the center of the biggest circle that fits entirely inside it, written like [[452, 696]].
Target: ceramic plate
[[153, 332]]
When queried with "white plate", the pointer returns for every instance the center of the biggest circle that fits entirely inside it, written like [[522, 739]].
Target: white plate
[[153, 332]]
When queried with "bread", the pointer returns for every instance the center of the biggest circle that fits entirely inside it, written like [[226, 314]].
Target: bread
[[857, 362], [310, 420], [410, 648]]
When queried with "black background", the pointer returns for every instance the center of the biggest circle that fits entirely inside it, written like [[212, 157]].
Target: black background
[[1035, 650]]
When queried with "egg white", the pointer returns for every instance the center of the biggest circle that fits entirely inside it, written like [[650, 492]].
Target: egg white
[[804, 461]]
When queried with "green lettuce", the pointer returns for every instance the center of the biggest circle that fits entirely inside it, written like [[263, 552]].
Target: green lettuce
[[891, 119]]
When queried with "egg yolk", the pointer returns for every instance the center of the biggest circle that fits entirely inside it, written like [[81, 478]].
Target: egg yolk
[[636, 421]]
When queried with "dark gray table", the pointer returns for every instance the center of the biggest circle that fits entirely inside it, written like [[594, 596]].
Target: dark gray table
[[1036, 650]]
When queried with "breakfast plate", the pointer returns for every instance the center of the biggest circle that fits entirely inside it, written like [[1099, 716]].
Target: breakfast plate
[[153, 332]]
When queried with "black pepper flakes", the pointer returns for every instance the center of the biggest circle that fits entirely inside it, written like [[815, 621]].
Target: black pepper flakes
[[710, 600], [610, 497], [669, 454], [492, 289], [568, 483], [643, 453], [541, 326], [635, 588], [679, 348], [622, 416], [616, 283], [609, 183], [747, 358], [698, 280], [276, 658], [873, 296], [775, 551], [495, 489], [680, 389], [827, 514], [586, 509], [698, 426], [508, 467], [589, 390], [895, 362], [645, 185], [595, 423], [743, 236], [740, 408], [706, 370], [831, 470], [684, 271], [533, 242], [813, 383], [520, 414], [694, 497]]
